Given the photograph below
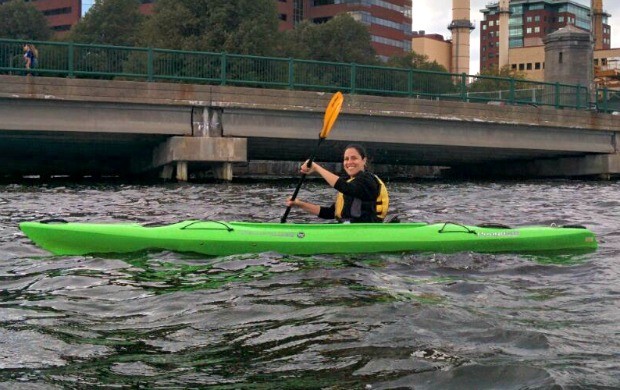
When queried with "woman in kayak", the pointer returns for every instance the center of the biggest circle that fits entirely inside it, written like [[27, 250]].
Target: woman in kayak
[[362, 196]]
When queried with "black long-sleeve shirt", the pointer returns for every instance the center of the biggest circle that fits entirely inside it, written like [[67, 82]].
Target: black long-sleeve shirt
[[364, 187]]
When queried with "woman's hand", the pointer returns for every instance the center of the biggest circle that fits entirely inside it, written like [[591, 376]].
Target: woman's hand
[[308, 207], [307, 171]]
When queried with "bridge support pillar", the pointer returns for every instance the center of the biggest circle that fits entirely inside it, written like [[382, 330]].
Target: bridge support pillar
[[183, 153], [182, 174], [223, 171], [166, 172]]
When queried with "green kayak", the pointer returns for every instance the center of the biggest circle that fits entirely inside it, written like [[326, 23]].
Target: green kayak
[[226, 238]]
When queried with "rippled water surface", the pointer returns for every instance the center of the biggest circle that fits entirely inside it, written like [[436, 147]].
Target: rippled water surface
[[388, 321]]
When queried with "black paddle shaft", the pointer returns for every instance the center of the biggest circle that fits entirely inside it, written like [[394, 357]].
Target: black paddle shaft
[[301, 181]]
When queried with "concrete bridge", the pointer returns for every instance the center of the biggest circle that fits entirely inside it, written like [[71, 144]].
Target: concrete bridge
[[58, 126]]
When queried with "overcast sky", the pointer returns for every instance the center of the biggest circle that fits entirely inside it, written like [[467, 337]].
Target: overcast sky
[[434, 16]]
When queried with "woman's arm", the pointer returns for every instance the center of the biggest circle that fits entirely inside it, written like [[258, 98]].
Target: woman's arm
[[329, 177], [307, 207]]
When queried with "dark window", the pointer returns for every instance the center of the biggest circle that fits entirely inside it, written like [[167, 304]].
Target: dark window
[[321, 20], [57, 11], [560, 57], [64, 27]]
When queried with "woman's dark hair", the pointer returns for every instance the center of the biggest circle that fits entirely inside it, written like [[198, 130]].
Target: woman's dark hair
[[360, 149]]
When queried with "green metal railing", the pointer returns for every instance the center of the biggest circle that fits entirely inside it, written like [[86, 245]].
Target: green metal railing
[[66, 59]]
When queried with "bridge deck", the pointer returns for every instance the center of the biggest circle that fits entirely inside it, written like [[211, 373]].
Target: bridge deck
[[52, 125]]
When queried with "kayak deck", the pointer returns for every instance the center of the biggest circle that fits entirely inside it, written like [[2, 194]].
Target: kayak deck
[[217, 238]]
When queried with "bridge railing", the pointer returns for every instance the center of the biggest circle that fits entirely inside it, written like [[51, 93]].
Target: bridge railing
[[67, 59], [608, 100]]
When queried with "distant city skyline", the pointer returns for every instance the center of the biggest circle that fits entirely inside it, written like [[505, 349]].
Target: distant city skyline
[[432, 19], [428, 16]]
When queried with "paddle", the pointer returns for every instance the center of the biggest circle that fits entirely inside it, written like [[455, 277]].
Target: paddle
[[331, 113]]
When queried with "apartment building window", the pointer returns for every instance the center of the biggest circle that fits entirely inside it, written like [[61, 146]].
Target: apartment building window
[[298, 11], [536, 29], [521, 66], [57, 11], [529, 66], [528, 19], [528, 30], [537, 18], [537, 66]]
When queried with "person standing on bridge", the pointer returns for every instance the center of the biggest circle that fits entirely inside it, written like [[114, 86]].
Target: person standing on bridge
[[362, 196], [30, 57]]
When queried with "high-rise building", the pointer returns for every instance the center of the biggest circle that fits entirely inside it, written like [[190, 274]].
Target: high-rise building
[[388, 21], [60, 14], [529, 22]]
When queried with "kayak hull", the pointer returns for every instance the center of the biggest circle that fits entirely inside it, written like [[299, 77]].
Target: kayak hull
[[216, 238]]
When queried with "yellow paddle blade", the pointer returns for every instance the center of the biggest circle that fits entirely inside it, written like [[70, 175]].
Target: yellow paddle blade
[[331, 113]]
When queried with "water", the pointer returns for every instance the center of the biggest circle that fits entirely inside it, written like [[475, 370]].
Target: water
[[387, 321]]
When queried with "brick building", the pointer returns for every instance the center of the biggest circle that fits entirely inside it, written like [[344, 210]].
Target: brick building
[[529, 22], [60, 14], [389, 21]]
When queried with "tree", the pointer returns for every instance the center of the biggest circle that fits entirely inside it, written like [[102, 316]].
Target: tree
[[21, 20], [109, 22], [434, 78], [241, 26], [495, 79], [341, 39], [413, 60]]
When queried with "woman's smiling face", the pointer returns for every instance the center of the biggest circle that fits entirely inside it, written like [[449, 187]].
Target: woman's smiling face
[[353, 162]]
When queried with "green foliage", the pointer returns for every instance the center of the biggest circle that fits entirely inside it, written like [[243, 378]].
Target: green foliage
[[495, 80], [21, 20], [109, 22], [241, 26], [435, 79], [414, 60], [341, 39]]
